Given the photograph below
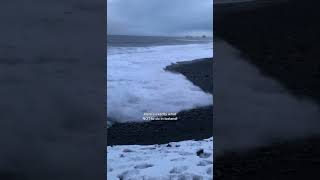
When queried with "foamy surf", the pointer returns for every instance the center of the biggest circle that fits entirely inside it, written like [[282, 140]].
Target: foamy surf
[[137, 82]]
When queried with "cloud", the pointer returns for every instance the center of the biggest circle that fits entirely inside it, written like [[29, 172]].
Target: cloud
[[154, 17]]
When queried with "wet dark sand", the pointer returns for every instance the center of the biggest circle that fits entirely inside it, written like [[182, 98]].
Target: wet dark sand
[[192, 124], [199, 72], [283, 42]]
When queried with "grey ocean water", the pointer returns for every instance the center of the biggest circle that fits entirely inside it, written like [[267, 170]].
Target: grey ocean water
[[147, 41]]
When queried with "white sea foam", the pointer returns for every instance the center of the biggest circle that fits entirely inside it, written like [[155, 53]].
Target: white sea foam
[[137, 82]]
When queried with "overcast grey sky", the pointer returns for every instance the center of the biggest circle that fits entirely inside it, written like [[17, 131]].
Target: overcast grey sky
[[160, 17]]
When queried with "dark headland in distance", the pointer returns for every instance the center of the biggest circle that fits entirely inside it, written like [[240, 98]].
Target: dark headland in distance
[[282, 40], [195, 124]]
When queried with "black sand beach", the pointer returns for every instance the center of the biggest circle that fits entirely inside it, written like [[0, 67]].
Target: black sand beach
[[196, 71], [282, 40], [191, 124]]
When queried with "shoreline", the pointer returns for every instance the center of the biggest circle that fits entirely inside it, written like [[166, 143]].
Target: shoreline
[[194, 124], [192, 70]]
